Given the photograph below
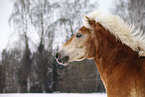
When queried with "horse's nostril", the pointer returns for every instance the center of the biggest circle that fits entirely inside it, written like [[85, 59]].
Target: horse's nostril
[[57, 55]]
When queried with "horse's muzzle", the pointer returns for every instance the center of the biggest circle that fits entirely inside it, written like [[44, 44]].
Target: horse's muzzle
[[61, 59]]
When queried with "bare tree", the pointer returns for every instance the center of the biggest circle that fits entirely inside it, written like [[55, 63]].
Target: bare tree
[[20, 19], [133, 11], [74, 13], [1, 79], [137, 12], [40, 20], [10, 65], [50, 20]]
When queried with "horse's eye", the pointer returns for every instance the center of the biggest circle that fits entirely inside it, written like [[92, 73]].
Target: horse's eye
[[78, 35]]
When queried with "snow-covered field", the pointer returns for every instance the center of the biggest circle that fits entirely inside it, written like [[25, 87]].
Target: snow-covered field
[[54, 95]]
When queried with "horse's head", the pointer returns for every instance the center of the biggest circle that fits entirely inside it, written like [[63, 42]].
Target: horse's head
[[80, 46]]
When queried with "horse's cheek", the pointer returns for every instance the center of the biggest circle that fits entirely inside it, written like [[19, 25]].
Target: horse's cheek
[[90, 49]]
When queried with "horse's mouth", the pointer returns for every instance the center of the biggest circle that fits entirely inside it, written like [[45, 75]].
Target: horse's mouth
[[64, 63]]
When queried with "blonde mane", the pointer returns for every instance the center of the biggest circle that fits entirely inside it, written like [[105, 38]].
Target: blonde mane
[[124, 32]]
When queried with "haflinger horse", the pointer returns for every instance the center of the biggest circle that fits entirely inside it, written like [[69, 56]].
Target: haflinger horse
[[117, 48]]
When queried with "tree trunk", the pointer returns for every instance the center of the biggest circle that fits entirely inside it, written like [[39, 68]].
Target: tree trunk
[[25, 71]]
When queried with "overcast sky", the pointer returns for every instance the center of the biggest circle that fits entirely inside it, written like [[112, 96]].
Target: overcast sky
[[6, 30]]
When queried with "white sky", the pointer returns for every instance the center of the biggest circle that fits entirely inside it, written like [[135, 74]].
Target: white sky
[[5, 29], [105, 5], [6, 7]]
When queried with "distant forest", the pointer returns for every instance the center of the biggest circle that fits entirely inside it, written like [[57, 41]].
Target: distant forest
[[29, 66]]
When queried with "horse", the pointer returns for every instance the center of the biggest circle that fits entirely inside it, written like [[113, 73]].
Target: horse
[[117, 48]]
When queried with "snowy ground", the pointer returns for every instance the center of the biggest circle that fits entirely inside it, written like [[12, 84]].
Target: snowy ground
[[55, 95]]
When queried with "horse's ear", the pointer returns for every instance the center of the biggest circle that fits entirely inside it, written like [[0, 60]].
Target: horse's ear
[[88, 23]]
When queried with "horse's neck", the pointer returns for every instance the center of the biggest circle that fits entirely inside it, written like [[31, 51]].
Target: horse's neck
[[111, 53]]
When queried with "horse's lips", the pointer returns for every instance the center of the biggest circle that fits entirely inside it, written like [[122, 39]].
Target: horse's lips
[[63, 63]]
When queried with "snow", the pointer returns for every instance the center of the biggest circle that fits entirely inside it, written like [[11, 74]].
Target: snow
[[54, 95]]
